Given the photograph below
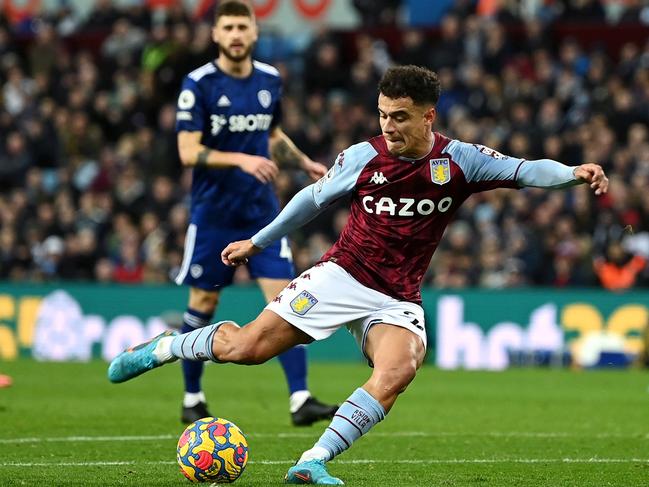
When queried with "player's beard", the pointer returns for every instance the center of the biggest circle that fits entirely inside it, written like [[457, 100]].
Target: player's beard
[[237, 58]]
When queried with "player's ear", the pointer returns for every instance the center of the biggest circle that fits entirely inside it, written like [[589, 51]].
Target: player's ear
[[430, 115]]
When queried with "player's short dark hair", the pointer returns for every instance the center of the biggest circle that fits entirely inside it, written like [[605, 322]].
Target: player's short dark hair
[[233, 8], [420, 84]]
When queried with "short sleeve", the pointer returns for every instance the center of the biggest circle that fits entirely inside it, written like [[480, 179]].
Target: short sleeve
[[190, 112]]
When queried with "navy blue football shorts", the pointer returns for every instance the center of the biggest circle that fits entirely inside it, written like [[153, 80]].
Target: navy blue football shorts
[[202, 266]]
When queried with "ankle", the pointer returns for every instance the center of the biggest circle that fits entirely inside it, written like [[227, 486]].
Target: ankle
[[191, 399], [315, 453], [297, 400]]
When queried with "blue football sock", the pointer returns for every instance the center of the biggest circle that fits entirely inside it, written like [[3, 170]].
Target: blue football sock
[[193, 371], [294, 364], [352, 420]]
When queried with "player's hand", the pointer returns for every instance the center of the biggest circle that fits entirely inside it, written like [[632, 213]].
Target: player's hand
[[237, 253], [594, 175], [314, 170], [263, 169]]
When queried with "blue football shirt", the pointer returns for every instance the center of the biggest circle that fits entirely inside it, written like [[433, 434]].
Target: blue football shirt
[[234, 115]]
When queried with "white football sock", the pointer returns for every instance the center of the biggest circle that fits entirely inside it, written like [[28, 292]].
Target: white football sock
[[162, 351], [315, 453], [297, 399], [193, 398]]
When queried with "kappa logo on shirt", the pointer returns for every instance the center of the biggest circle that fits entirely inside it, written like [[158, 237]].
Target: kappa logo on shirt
[[378, 178]]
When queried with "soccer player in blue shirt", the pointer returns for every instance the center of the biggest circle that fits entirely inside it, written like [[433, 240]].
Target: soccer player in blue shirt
[[228, 124]]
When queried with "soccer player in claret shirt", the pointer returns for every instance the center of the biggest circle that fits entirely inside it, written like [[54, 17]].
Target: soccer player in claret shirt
[[405, 186], [227, 119]]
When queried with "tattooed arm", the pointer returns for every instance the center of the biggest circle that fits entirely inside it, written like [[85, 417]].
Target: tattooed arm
[[284, 152], [194, 154]]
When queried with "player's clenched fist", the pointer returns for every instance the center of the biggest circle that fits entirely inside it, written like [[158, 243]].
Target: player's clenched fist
[[237, 253], [593, 174]]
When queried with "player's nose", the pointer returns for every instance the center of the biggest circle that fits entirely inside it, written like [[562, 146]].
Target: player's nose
[[388, 127]]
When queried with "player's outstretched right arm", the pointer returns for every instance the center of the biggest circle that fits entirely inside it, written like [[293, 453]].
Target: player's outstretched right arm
[[301, 209], [306, 204], [193, 153]]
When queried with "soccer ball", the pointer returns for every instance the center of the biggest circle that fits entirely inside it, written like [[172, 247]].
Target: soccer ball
[[212, 450]]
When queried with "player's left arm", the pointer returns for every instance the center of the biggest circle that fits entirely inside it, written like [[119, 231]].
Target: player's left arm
[[485, 168], [594, 175], [546, 173], [286, 154]]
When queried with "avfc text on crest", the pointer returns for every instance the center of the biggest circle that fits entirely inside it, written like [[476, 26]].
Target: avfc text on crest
[[440, 171]]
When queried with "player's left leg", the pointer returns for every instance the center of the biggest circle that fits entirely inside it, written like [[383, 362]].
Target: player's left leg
[[304, 408], [396, 353]]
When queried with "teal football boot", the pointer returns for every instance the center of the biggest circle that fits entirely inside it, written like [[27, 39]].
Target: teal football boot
[[311, 472], [137, 360]]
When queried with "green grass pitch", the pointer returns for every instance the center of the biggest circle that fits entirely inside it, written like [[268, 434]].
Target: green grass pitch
[[65, 424]]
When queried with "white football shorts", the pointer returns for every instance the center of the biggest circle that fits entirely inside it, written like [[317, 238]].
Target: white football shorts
[[326, 297]]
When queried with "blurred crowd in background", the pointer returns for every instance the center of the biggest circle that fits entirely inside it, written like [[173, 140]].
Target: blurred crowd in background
[[91, 186]]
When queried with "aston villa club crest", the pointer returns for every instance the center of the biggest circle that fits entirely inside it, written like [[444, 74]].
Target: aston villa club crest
[[264, 98], [440, 171], [303, 302]]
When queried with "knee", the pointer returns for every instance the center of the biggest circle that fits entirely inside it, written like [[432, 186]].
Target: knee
[[395, 379]]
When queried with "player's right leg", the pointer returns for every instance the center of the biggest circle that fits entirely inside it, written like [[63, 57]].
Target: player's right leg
[[313, 316], [258, 341]]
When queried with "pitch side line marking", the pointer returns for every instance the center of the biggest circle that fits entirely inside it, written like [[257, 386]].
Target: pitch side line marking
[[349, 462], [493, 434]]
